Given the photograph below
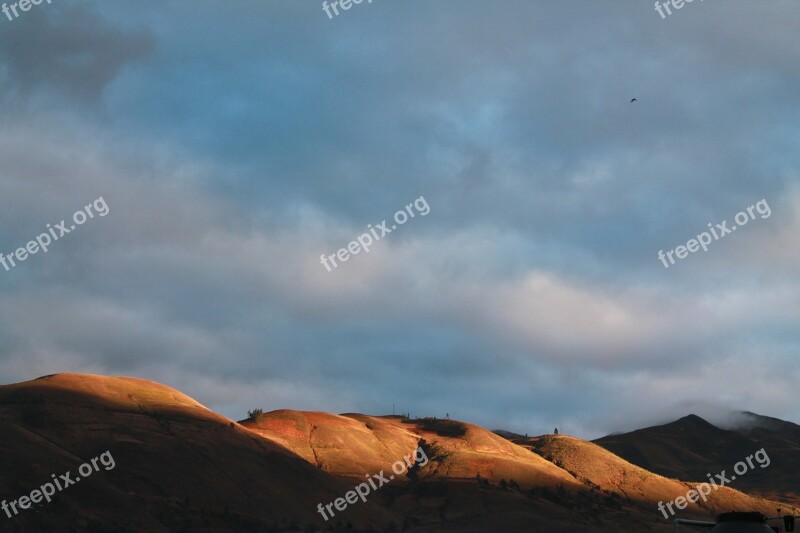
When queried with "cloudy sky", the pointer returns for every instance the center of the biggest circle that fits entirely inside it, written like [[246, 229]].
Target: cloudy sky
[[236, 142]]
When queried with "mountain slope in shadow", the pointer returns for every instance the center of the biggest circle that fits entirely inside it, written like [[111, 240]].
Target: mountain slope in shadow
[[690, 448]]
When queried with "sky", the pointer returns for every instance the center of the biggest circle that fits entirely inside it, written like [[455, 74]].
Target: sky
[[235, 143]]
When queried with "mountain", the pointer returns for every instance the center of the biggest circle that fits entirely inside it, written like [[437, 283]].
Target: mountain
[[600, 468], [178, 466], [352, 444], [691, 448]]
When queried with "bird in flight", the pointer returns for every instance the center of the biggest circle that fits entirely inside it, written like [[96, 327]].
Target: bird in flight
[[633, 100]]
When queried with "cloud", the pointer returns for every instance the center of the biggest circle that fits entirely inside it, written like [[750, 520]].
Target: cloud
[[530, 295], [65, 52]]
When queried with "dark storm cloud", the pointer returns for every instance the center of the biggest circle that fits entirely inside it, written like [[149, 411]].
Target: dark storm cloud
[[65, 48]]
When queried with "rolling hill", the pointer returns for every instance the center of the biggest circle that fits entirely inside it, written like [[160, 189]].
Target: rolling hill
[[352, 444], [690, 448], [600, 468], [181, 467]]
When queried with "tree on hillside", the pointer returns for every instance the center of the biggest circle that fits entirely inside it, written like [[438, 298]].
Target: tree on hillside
[[255, 415]]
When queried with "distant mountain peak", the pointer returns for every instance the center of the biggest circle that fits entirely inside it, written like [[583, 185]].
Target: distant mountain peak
[[695, 421]]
